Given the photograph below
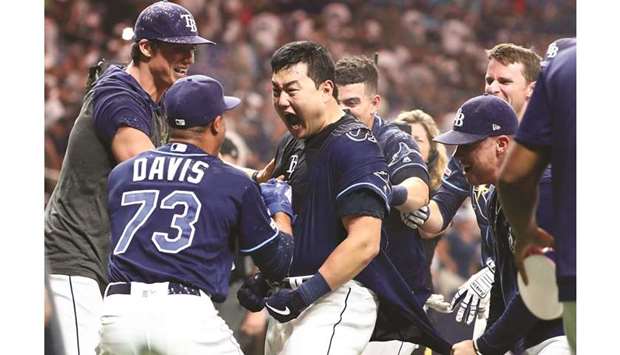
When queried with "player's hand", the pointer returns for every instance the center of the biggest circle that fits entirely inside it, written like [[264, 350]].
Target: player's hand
[[265, 173], [437, 303], [465, 347], [286, 304], [277, 196], [252, 293], [471, 294], [417, 218], [531, 242]]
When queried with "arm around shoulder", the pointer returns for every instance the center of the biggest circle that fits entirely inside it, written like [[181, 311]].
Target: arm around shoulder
[[128, 142]]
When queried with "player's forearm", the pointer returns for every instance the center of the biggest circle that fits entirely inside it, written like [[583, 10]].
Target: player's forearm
[[434, 224], [355, 252], [284, 222], [417, 194]]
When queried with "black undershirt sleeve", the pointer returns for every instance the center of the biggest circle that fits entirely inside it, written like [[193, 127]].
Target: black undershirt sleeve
[[361, 202]]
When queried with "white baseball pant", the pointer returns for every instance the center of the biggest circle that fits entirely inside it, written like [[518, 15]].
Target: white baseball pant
[[151, 319], [78, 306], [339, 323]]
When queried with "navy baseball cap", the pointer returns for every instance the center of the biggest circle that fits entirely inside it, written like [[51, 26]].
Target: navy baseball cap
[[196, 100], [478, 118], [167, 22]]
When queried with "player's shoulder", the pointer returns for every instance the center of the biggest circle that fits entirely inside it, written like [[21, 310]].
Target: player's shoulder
[[117, 83]]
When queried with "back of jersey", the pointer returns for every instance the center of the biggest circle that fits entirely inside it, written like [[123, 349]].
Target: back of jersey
[[173, 214]]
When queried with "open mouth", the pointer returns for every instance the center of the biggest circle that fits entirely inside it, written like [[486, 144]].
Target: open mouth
[[293, 121], [181, 71]]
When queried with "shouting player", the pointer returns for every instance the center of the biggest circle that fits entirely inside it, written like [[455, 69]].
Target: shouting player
[[175, 212], [340, 194], [119, 118]]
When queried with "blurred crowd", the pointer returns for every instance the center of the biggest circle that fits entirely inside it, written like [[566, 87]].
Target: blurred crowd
[[431, 55]]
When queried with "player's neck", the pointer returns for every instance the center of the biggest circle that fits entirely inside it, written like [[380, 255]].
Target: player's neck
[[145, 79], [332, 114]]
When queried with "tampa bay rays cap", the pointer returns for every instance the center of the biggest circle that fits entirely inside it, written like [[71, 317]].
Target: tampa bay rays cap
[[167, 22], [196, 100], [478, 118]]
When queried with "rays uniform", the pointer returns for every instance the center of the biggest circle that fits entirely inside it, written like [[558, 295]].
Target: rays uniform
[[177, 217], [341, 163], [517, 329]]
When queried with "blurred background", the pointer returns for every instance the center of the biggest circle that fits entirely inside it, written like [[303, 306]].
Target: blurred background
[[431, 56]]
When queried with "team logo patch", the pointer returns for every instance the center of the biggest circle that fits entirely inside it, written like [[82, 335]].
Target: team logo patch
[[292, 164], [459, 118], [190, 22], [552, 50], [179, 122], [403, 154], [360, 135]]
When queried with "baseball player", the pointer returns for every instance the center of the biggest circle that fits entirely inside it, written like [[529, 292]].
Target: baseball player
[[510, 75], [119, 118], [175, 212], [341, 192], [483, 131], [547, 135], [357, 81]]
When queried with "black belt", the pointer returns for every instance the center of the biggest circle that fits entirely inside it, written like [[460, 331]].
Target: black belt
[[174, 288]]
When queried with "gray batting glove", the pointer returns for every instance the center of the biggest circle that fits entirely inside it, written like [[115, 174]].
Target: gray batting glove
[[416, 218], [474, 293]]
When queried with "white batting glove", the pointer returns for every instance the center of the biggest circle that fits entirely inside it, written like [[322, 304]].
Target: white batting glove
[[416, 218], [474, 294], [437, 302]]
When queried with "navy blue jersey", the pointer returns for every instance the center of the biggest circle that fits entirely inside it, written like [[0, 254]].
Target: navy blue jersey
[[549, 124], [454, 189], [516, 328], [119, 100], [341, 159], [179, 214], [403, 245]]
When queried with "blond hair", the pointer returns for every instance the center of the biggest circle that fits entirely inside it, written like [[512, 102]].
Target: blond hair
[[437, 157]]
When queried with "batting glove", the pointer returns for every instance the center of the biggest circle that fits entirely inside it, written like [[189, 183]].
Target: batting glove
[[286, 305], [416, 218], [252, 293], [472, 293], [277, 197]]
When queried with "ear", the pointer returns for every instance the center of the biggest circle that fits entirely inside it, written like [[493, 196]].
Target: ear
[[502, 144], [530, 90], [217, 125], [146, 48], [327, 88], [376, 102]]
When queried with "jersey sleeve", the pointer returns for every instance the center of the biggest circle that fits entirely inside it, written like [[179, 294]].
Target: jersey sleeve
[[535, 130], [357, 163], [256, 228], [453, 191], [404, 158], [544, 210], [114, 107]]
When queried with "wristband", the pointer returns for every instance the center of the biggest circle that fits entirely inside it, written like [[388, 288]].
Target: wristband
[[314, 288], [399, 195], [476, 347], [255, 176]]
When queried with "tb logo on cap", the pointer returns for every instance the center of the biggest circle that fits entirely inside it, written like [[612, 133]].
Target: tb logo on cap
[[459, 118], [190, 22]]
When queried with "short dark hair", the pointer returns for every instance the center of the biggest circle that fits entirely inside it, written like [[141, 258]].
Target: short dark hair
[[508, 53], [319, 61], [357, 69]]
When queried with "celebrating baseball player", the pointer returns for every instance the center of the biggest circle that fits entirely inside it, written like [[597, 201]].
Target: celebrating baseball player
[[175, 212], [482, 131], [341, 192], [357, 82], [510, 75], [547, 135], [119, 118]]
